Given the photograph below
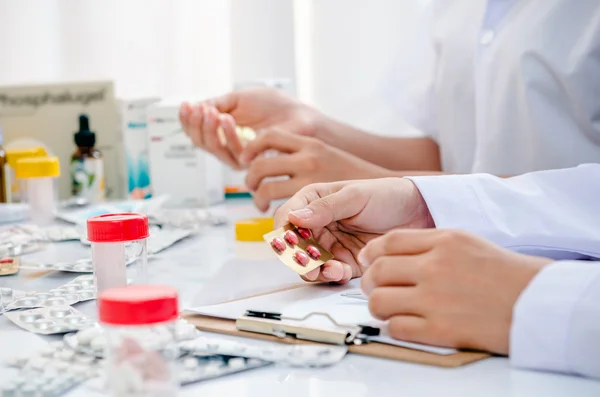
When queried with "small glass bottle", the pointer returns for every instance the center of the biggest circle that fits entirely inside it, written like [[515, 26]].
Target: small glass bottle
[[141, 351], [87, 165], [37, 177], [118, 240]]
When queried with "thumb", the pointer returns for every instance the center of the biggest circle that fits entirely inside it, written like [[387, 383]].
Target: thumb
[[344, 204]]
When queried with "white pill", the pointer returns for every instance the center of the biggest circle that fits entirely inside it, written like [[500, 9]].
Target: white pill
[[66, 355], [190, 363], [98, 343], [236, 363], [212, 369], [37, 363], [86, 336]]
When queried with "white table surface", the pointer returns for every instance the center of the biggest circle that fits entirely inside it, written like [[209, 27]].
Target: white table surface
[[211, 264]]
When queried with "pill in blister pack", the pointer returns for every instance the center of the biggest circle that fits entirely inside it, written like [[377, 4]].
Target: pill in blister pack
[[297, 249], [196, 369], [12, 250], [79, 266], [78, 290], [294, 355], [91, 341], [50, 320], [186, 219], [53, 371], [9, 266]]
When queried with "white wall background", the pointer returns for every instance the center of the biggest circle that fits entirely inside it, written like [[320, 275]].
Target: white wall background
[[336, 52]]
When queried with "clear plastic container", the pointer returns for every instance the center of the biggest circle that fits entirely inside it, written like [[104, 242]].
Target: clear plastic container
[[141, 351], [37, 177], [118, 240]]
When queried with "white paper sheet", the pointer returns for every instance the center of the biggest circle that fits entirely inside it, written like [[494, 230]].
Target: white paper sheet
[[321, 298]]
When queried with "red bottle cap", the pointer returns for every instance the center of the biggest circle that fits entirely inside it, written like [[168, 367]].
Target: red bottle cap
[[138, 305], [113, 228]]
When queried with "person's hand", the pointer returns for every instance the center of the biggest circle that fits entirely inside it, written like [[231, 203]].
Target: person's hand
[[445, 287], [304, 160], [258, 108], [344, 216]]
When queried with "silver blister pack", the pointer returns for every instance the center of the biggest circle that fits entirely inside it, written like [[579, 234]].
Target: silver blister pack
[[82, 288], [53, 371], [189, 219], [91, 341], [18, 249], [79, 266], [194, 369], [297, 355], [50, 320]]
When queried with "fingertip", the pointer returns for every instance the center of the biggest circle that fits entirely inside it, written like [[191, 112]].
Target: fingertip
[[332, 271], [313, 274]]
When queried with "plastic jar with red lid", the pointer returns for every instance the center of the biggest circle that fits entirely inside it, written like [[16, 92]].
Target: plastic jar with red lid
[[141, 351], [118, 240]]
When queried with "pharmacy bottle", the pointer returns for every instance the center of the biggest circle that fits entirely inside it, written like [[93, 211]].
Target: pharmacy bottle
[[118, 240], [141, 353], [87, 165], [3, 182], [13, 155], [37, 176]]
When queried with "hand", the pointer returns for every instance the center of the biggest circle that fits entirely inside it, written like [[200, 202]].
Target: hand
[[445, 288], [257, 108], [344, 216], [304, 159]]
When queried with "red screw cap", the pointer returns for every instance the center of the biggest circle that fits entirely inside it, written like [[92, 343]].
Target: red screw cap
[[138, 305], [112, 228]]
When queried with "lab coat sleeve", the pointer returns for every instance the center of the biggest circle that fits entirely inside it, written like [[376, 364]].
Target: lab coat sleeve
[[548, 213], [556, 320]]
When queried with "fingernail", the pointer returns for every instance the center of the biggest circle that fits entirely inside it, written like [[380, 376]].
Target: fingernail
[[184, 111], [304, 213], [362, 259], [333, 273]]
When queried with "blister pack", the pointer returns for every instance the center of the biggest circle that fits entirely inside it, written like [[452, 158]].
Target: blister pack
[[20, 234], [189, 219], [91, 341], [297, 249], [53, 371], [13, 249], [298, 355], [194, 369], [78, 290], [50, 320], [9, 266]]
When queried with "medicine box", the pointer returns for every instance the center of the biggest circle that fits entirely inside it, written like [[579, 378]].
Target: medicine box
[[47, 116], [190, 176], [134, 135]]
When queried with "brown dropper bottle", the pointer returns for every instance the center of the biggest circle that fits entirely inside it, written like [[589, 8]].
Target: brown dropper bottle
[[85, 141]]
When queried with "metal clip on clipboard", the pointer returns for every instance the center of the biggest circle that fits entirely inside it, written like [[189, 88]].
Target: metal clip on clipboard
[[275, 324]]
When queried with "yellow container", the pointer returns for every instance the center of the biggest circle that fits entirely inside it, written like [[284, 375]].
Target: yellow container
[[38, 167], [253, 229], [12, 157]]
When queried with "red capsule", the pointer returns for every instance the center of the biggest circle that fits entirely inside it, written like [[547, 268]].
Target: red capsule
[[301, 258], [7, 260], [304, 233], [291, 238], [278, 245], [313, 252]]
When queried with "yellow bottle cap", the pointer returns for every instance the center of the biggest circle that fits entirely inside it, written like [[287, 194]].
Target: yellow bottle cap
[[16, 154], [38, 167], [253, 229]]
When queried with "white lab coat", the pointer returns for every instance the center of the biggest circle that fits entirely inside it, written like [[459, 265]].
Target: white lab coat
[[505, 95], [556, 320]]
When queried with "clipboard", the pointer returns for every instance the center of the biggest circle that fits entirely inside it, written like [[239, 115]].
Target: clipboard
[[278, 328]]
